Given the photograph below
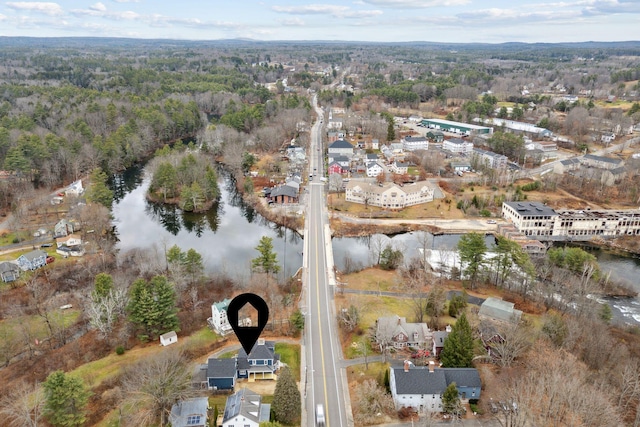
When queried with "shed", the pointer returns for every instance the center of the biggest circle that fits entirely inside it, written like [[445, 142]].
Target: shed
[[497, 309], [168, 338]]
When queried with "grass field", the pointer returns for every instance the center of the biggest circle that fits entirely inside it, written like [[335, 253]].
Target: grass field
[[290, 355]]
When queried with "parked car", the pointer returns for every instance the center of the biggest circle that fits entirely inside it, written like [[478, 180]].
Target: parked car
[[491, 221], [50, 259], [46, 245]]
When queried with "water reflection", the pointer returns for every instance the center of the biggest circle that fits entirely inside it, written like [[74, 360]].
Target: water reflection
[[226, 235]]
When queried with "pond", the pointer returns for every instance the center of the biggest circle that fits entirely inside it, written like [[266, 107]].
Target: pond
[[226, 236]]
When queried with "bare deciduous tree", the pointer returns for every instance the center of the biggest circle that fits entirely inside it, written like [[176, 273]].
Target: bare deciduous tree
[[23, 405], [516, 339], [154, 384]]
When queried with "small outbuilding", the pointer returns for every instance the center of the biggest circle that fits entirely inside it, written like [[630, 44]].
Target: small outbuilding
[[168, 338]]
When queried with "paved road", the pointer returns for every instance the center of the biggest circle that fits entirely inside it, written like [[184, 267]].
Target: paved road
[[323, 379]]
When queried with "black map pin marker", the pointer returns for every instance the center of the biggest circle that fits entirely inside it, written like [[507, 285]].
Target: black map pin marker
[[247, 335]]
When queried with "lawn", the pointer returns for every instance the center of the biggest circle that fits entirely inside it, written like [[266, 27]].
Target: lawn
[[94, 373], [290, 355], [373, 279], [36, 325]]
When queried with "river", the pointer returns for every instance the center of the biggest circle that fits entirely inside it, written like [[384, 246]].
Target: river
[[228, 234]]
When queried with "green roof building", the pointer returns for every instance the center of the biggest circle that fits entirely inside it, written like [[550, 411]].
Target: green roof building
[[456, 127]]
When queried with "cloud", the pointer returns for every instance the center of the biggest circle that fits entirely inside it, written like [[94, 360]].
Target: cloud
[[292, 22], [514, 16], [611, 7], [2, 17], [326, 9], [127, 1], [48, 8], [99, 7], [415, 4], [99, 10]]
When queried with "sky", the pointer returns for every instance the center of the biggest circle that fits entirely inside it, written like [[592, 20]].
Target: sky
[[456, 21]]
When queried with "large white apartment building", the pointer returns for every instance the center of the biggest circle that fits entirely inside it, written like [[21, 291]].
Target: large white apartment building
[[457, 145], [541, 222], [389, 195]]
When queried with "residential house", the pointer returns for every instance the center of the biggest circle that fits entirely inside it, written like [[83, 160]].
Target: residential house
[[261, 363], [335, 167], [343, 161], [219, 321], [9, 271], [490, 159], [567, 165], [607, 137], [375, 144], [395, 331], [386, 152], [69, 240], [413, 143], [192, 412], [457, 145], [63, 228], [437, 341], [421, 388], [168, 338], [606, 177], [341, 148], [371, 158], [399, 167], [461, 166], [245, 409], [435, 136], [396, 148], [67, 251], [32, 260], [499, 310], [284, 194], [221, 374], [546, 146], [389, 195], [374, 169], [75, 189], [591, 160]]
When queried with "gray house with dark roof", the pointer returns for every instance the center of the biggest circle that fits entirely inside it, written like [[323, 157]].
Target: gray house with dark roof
[[32, 260], [421, 388], [340, 148], [9, 271], [601, 161], [284, 194], [221, 374], [261, 363]]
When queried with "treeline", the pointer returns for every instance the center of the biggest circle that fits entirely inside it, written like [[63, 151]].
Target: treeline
[[66, 112]]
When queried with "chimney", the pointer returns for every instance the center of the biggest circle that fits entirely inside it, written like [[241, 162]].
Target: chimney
[[432, 365], [260, 341], [399, 321], [406, 366]]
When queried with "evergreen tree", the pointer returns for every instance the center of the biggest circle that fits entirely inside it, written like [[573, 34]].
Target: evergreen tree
[[267, 261], [458, 346], [193, 265], [65, 400], [451, 400], [390, 258], [103, 285], [99, 192], [165, 180], [286, 404], [152, 306], [472, 249]]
